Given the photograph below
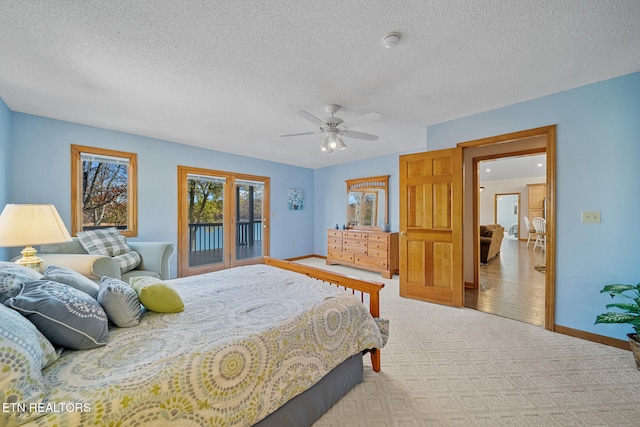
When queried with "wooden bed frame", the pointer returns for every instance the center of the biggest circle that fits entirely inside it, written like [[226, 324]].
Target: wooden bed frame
[[348, 283]]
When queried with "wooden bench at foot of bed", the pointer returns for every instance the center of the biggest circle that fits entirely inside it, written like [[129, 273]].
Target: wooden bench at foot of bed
[[348, 283]]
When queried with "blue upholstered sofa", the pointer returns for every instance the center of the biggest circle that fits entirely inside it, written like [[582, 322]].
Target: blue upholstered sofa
[[154, 260]]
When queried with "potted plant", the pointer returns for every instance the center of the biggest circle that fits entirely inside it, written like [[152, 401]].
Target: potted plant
[[630, 315]]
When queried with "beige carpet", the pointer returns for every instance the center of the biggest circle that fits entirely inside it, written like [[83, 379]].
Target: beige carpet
[[460, 367]]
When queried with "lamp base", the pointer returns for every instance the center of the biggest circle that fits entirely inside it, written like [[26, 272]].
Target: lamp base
[[29, 258]]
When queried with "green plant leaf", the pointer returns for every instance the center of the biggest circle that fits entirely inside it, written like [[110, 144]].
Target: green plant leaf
[[629, 307], [617, 318], [617, 289]]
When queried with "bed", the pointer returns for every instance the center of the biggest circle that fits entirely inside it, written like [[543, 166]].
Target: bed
[[279, 354]]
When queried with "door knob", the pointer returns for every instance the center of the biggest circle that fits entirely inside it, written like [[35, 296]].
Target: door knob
[[403, 233]]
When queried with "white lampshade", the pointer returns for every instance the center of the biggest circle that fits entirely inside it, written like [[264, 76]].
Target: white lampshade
[[27, 225]]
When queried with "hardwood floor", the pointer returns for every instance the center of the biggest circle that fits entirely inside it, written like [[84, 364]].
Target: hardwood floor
[[509, 285]]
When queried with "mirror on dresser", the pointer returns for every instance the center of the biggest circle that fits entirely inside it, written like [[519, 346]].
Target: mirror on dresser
[[368, 203]]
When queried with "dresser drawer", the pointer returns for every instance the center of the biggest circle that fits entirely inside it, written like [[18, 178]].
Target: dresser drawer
[[335, 233], [377, 245], [340, 256], [375, 237], [354, 243], [355, 235], [355, 249], [335, 241], [334, 248], [377, 254], [379, 263]]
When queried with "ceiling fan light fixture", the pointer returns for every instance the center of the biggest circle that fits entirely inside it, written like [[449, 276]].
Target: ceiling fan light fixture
[[328, 144], [332, 142], [334, 126], [325, 144]]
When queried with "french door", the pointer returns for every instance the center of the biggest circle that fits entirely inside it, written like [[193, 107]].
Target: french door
[[223, 220]]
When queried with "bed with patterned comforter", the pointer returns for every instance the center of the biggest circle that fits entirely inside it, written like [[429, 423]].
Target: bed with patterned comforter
[[249, 339]]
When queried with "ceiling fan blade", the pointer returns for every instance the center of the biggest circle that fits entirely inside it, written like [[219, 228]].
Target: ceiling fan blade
[[358, 135], [300, 134], [312, 118], [365, 118]]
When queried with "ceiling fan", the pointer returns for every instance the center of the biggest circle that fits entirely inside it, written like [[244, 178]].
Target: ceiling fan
[[333, 127]]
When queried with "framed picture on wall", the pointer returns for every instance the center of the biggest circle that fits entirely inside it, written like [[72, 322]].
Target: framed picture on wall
[[295, 199]]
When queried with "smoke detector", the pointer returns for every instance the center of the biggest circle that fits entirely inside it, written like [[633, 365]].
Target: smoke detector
[[390, 40]]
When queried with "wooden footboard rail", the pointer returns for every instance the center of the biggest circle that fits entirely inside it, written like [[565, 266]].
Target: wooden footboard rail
[[346, 282]]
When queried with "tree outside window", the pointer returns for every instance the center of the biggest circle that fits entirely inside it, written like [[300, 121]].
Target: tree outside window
[[104, 190]]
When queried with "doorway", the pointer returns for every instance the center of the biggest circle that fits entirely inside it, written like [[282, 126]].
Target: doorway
[[223, 220], [506, 208], [509, 284], [524, 143]]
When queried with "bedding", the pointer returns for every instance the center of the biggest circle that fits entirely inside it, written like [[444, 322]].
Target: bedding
[[249, 340]]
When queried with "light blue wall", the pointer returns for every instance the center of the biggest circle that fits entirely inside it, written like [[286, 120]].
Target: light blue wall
[[41, 148], [598, 158], [598, 152], [5, 145], [330, 193]]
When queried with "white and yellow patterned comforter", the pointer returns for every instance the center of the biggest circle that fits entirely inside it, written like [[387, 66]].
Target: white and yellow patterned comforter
[[249, 339]]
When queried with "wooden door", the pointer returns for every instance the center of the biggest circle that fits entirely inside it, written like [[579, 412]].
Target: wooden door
[[431, 267]]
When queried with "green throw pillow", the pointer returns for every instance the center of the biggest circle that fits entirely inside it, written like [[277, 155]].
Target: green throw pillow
[[157, 295]]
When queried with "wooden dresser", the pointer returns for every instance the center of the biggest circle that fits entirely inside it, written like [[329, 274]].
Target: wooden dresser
[[369, 250]]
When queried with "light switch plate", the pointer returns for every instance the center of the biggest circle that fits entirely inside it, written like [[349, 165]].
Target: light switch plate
[[591, 216]]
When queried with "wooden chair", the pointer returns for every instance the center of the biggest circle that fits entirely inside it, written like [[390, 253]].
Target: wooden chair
[[540, 225], [530, 230]]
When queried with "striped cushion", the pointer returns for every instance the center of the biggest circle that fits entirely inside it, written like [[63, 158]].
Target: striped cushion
[[109, 242], [106, 241], [127, 261]]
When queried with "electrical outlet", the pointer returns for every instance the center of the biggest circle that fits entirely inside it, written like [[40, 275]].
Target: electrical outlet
[[591, 216]]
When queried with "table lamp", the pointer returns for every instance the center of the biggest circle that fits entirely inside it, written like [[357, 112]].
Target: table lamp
[[28, 225]]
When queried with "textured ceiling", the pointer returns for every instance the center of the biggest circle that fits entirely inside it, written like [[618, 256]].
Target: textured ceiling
[[231, 75], [515, 167]]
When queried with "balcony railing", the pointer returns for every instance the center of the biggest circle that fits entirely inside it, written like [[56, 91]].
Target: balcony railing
[[209, 236]]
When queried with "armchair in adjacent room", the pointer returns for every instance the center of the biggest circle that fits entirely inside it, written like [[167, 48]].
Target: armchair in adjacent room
[[154, 260], [490, 241]]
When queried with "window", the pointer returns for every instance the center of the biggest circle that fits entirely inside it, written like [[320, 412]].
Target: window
[[103, 190]]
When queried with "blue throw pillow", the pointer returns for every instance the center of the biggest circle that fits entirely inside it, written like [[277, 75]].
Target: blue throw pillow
[[72, 278], [67, 316], [12, 276], [120, 301]]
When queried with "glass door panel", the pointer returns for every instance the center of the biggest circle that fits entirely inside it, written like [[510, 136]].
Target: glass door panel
[[205, 202], [249, 215]]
